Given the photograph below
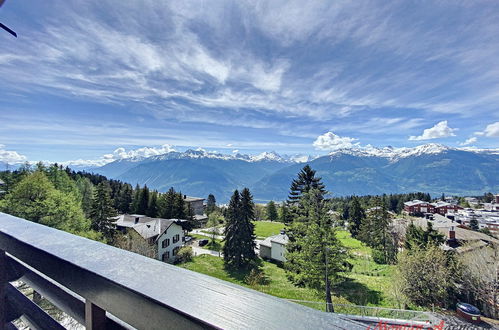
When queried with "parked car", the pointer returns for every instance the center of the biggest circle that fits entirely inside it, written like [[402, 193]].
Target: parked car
[[203, 242], [468, 312], [188, 238]]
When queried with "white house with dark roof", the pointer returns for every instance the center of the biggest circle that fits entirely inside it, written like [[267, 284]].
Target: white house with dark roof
[[166, 234], [274, 247]]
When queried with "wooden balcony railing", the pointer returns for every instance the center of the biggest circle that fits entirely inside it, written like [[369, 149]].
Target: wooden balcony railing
[[103, 287]]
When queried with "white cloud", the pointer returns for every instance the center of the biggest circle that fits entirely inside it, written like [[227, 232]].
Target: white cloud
[[440, 130], [235, 151], [492, 130], [11, 157], [122, 153], [468, 141], [331, 141]]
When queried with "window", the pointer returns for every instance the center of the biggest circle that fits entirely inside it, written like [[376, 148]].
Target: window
[[176, 238], [136, 220], [165, 243], [166, 256], [175, 251]]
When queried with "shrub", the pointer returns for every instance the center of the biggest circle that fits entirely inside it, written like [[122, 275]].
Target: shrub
[[184, 254], [256, 277]]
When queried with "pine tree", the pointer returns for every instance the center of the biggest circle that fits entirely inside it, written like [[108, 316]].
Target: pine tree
[[315, 246], [152, 208], [247, 234], [86, 189], [474, 223], [375, 231], [102, 211], [165, 203], [211, 204], [178, 207], [284, 214], [125, 198], [239, 248], [271, 211], [143, 200], [305, 182], [134, 207], [356, 215]]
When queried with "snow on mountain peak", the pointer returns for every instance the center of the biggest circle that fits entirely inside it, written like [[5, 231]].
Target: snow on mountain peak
[[393, 153], [270, 156]]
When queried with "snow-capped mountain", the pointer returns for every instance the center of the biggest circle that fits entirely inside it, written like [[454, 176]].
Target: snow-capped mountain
[[430, 168]]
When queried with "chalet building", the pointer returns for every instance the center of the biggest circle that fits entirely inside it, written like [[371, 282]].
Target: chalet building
[[417, 206], [443, 208], [196, 204], [167, 235], [2, 184], [274, 247]]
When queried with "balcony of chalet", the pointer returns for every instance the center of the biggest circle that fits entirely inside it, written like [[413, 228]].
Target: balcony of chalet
[[102, 287]]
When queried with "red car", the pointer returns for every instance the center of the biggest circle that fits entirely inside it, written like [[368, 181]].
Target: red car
[[468, 312]]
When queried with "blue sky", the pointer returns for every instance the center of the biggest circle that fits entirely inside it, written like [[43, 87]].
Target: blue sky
[[87, 77]]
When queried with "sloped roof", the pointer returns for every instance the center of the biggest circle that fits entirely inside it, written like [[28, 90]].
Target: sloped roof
[[414, 202], [192, 199], [282, 239], [128, 220], [464, 235], [153, 228]]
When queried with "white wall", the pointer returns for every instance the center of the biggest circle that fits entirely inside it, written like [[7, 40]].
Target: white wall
[[278, 252], [173, 230]]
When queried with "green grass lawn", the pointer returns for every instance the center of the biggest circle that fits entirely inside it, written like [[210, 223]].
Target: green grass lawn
[[278, 285], [368, 283], [215, 246], [264, 229]]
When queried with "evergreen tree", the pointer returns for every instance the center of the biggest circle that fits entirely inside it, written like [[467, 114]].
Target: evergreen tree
[[143, 200], [284, 214], [86, 189], [165, 204], [178, 208], [125, 199], [239, 248], [152, 208], [271, 211], [315, 246], [474, 223], [305, 182], [356, 215], [211, 204], [375, 231], [417, 237], [134, 207], [102, 212]]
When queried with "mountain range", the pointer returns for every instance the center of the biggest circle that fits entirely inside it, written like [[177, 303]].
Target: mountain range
[[431, 168]]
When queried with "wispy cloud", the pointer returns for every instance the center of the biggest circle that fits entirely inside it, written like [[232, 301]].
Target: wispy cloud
[[469, 141], [355, 68]]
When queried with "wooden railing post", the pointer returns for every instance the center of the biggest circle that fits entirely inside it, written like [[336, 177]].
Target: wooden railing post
[[95, 317], [3, 287]]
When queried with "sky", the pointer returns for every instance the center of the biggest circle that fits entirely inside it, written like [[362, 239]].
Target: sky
[[98, 80]]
